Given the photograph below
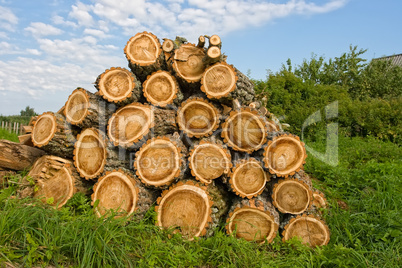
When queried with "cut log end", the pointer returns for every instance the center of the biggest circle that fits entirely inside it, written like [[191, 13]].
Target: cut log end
[[130, 124], [158, 162], [76, 108], [215, 40], [313, 231], [160, 88], [198, 118], [248, 178], [188, 62], [209, 161], [218, 80], [214, 52], [186, 208], [319, 200], [252, 224], [143, 49], [44, 129], [245, 130], [201, 41], [90, 154], [116, 192], [284, 155], [168, 46], [116, 84], [292, 196]]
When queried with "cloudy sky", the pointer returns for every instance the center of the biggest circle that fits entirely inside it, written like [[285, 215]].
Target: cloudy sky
[[50, 47]]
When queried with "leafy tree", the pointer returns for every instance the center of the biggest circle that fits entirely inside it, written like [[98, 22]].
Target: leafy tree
[[28, 112]]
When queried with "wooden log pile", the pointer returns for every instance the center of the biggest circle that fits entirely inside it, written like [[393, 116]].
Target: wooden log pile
[[180, 129]]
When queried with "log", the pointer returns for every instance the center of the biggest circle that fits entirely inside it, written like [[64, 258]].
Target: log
[[161, 161], [53, 134], [26, 139], [144, 54], [284, 155], [27, 129], [161, 89], [90, 153], [197, 117], [168, 46], [188, 63], [191, 209], [215, 40], [15, 156], [248, 178], [201, 41], [56, 180], [120, 192], [245, 130], [132, 124], [209, 159], [312, 230], [85, 109], [253, 219], [213, 56], [292, 195], [119, 85]]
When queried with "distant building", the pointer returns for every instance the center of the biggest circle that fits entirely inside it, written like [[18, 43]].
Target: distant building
[[395, 59]]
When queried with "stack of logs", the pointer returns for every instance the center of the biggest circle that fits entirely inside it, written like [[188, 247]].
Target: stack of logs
[[181, 129]]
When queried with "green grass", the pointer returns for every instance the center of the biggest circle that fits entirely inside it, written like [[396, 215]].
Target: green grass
[[4, 134], [367, 233]]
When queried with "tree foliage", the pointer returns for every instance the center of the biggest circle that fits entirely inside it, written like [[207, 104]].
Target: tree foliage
[[28, 112]]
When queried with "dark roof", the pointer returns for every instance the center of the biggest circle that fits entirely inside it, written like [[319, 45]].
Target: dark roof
[[395, 59]]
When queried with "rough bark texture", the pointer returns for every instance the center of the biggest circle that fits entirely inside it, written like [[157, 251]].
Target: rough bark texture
[[253, 219], [119, 86], [16, 156]]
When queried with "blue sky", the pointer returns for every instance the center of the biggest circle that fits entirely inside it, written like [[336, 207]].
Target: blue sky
[[50, 47]]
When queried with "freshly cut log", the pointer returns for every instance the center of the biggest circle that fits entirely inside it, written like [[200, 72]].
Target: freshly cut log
[[161, 161], [245, 130], [213, 56], [133, 123], [168, 45], [285, 155], [85, 109], [56, 180], [17, 156], [219, 80], [197, 117], [90, 153], [144, 54], [201, 41], [27, 129], [53, 134], [312, 230], [292, 196], [215, 40], [161, 89], [209, 160], [26, 140], [120, 192], [253, 219], [248, 178], [119, 85], [191, 209], [188, 63], [319, 200]]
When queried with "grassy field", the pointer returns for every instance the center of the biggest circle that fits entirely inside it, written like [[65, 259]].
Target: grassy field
[[4, 134], [364, 192]]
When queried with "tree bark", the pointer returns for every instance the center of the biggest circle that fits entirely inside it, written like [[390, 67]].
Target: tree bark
[[253, 219], [16, 156], [119, 85], [144, 54], [161, 161]]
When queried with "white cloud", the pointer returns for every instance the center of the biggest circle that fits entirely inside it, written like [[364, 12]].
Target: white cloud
[[59, 20], [7, 19], [40, 29], [80, 12], [97, 33], [34, 52]]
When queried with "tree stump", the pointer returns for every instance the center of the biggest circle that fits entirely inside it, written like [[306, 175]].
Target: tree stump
[[197, 117], [133, 123], [17, 156], [188, 63], [245, 130], [119, 192], [144, 54], [284, 155], [311, 229], [248, 178], [56, 180], [53, 134], [161, 161], [253, 219], [191, 209], [209, 160], [162, 89], [119, 85]]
